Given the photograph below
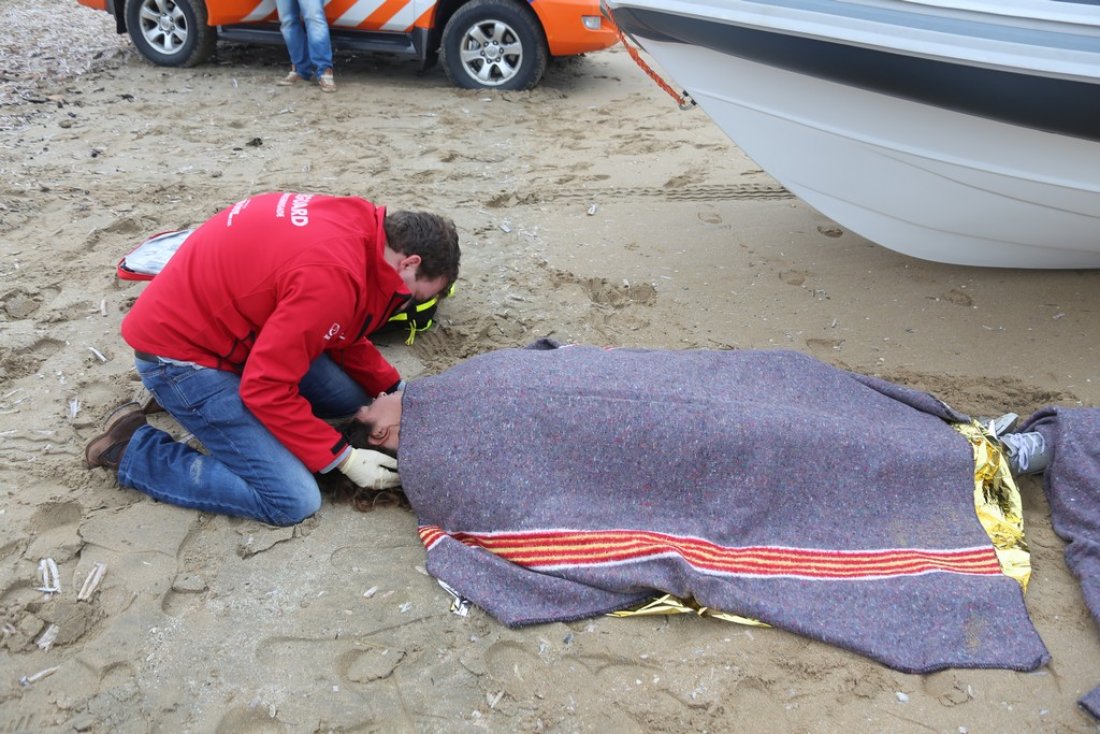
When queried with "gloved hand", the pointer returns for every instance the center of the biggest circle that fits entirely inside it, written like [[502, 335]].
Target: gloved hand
[[370, 469]]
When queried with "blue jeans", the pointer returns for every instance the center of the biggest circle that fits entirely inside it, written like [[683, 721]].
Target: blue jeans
[[305, 31], [247, 472]]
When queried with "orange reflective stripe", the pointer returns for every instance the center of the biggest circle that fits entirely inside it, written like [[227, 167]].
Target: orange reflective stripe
[[426, 19], [347, 13], [223, 12], [336, 8], [385, 11], [374, 15]]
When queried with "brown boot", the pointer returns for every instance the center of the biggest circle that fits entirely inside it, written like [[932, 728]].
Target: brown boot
[[150, 406], [107, 448]]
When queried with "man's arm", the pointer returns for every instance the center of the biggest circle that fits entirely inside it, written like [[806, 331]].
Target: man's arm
[[366, 365], [291, 338]]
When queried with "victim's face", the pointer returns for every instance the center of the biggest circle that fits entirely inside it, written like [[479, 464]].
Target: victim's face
[[384, 418]]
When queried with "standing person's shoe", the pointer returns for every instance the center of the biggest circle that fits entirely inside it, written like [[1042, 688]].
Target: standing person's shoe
[[107, 448], [327, 83], [290, 79]]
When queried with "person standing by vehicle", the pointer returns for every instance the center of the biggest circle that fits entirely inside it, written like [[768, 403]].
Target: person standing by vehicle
[[305, 31], [254, 334]]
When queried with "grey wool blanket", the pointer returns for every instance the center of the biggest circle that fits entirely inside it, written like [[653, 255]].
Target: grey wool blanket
[[554, 484], [1072, 486]]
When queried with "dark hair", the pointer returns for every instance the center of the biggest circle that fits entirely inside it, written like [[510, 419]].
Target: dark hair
[[343, 489], [432, 237]]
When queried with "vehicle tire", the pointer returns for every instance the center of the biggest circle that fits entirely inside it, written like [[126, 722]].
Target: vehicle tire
[[494, 44], [171, 32]]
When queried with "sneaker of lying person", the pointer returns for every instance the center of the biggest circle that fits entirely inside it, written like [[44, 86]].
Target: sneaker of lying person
[[1001, 425], [1027, 453]]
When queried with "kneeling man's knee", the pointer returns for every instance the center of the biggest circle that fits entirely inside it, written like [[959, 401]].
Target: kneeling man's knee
[[292, 501], [305, 505]]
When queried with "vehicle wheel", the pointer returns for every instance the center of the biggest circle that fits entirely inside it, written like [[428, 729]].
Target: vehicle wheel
[[170, 32], [494, 44]]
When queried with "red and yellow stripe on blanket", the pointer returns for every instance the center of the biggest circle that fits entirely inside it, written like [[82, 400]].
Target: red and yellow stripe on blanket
[[546, 550]]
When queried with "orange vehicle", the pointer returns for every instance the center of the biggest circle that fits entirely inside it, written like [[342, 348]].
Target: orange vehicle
[[499, 44]]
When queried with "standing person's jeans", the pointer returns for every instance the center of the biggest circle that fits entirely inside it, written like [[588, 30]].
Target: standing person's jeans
[[247, 473], [305, 31]]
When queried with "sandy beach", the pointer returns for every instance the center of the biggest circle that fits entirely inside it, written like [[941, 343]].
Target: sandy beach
[[590, 210]]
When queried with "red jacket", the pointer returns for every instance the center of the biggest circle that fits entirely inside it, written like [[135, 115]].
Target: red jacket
[[265, 287]]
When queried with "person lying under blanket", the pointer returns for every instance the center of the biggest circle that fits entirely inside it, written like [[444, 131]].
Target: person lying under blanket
[[379, 427], [557, 483]]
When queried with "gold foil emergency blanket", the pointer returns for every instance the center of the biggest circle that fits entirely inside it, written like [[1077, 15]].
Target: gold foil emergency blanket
[[669, 604], [997, 502]]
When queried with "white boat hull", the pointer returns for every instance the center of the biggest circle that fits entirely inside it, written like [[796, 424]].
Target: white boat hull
[[926, 181]]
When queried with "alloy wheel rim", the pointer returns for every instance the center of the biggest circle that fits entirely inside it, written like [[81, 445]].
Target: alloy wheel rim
[[491, 52], [163, 25]]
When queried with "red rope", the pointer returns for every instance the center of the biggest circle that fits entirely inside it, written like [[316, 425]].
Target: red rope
[[682, 101]]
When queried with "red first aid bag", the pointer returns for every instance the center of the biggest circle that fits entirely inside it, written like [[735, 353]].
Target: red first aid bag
[[150, 257]]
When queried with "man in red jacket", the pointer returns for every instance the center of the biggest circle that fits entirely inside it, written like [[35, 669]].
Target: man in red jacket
[[256, 332]]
